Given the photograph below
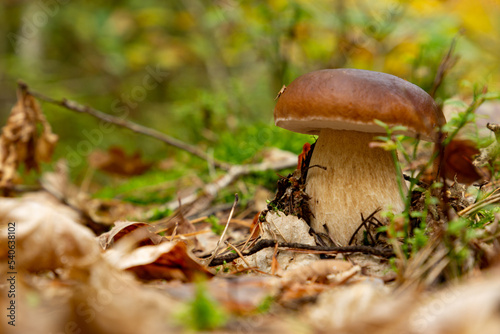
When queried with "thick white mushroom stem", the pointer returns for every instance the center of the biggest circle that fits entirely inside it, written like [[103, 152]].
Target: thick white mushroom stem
[[358, 179]]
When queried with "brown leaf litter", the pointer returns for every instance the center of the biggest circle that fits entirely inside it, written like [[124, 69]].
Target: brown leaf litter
[[64, 283], [116, 161], [22, 141], [167, 261]]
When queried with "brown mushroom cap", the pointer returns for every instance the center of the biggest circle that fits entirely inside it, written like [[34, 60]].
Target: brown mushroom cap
[[351, 99]]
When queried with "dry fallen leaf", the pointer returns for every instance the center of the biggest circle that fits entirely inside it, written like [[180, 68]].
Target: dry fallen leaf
[[168, 260], [116, 161], [469, 307], [458, 157], [122, 229], [102, 300], [356, 308], [22, 141], [48, 235], [283, 228], [63, 283]]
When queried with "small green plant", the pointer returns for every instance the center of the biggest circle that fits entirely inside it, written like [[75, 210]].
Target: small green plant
[[393, 143], [159, 213], [408, 231], [214, 225], [203, 312], [224, 267], [265, 305]]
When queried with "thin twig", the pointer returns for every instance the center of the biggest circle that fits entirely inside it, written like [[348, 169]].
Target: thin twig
[[75, 106], [275, 265], [225, 229], [416, 181], [363, 223], [479, 205], [211, 189], [446, 64], [266, 243], [250, 236], [239, 253]]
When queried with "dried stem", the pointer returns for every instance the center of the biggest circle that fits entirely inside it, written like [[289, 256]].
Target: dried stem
[[239, 253], [225, 229], [446, 64]]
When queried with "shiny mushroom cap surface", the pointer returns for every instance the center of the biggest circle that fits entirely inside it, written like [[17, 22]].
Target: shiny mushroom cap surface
[[351, 99]]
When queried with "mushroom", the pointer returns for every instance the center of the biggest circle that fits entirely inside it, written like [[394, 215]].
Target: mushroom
[[340, 105]]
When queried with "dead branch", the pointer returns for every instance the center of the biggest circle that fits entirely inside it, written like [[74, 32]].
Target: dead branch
[[266, 243], [137, 128], [234, 172]]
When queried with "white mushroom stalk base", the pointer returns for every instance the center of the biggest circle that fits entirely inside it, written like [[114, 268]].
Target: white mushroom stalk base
[[358, 180]]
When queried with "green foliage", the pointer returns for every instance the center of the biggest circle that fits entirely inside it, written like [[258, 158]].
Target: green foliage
[[159, 213], [486, 216], [203, 312], [214, 225], [247, 142], [226, 60], [458, 235], [152, 187], [266, 304], [419, 239]]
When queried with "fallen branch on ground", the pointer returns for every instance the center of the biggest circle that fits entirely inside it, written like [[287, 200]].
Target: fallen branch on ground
[[265, 243], [234, 172]]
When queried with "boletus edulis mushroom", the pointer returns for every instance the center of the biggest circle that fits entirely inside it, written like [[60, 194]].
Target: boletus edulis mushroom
[[340, 105]]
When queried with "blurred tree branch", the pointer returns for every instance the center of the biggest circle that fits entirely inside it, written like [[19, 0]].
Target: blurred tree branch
[[75, 106]]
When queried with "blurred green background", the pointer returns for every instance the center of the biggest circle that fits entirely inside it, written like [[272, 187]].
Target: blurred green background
[[218, 65]]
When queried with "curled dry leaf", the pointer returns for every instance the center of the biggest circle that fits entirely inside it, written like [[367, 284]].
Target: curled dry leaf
[[122, 229], [104, 300], [89, 295], [48, 235], [458, 162], [283, 228], [22, 141], [116, 161], [168, 260]]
